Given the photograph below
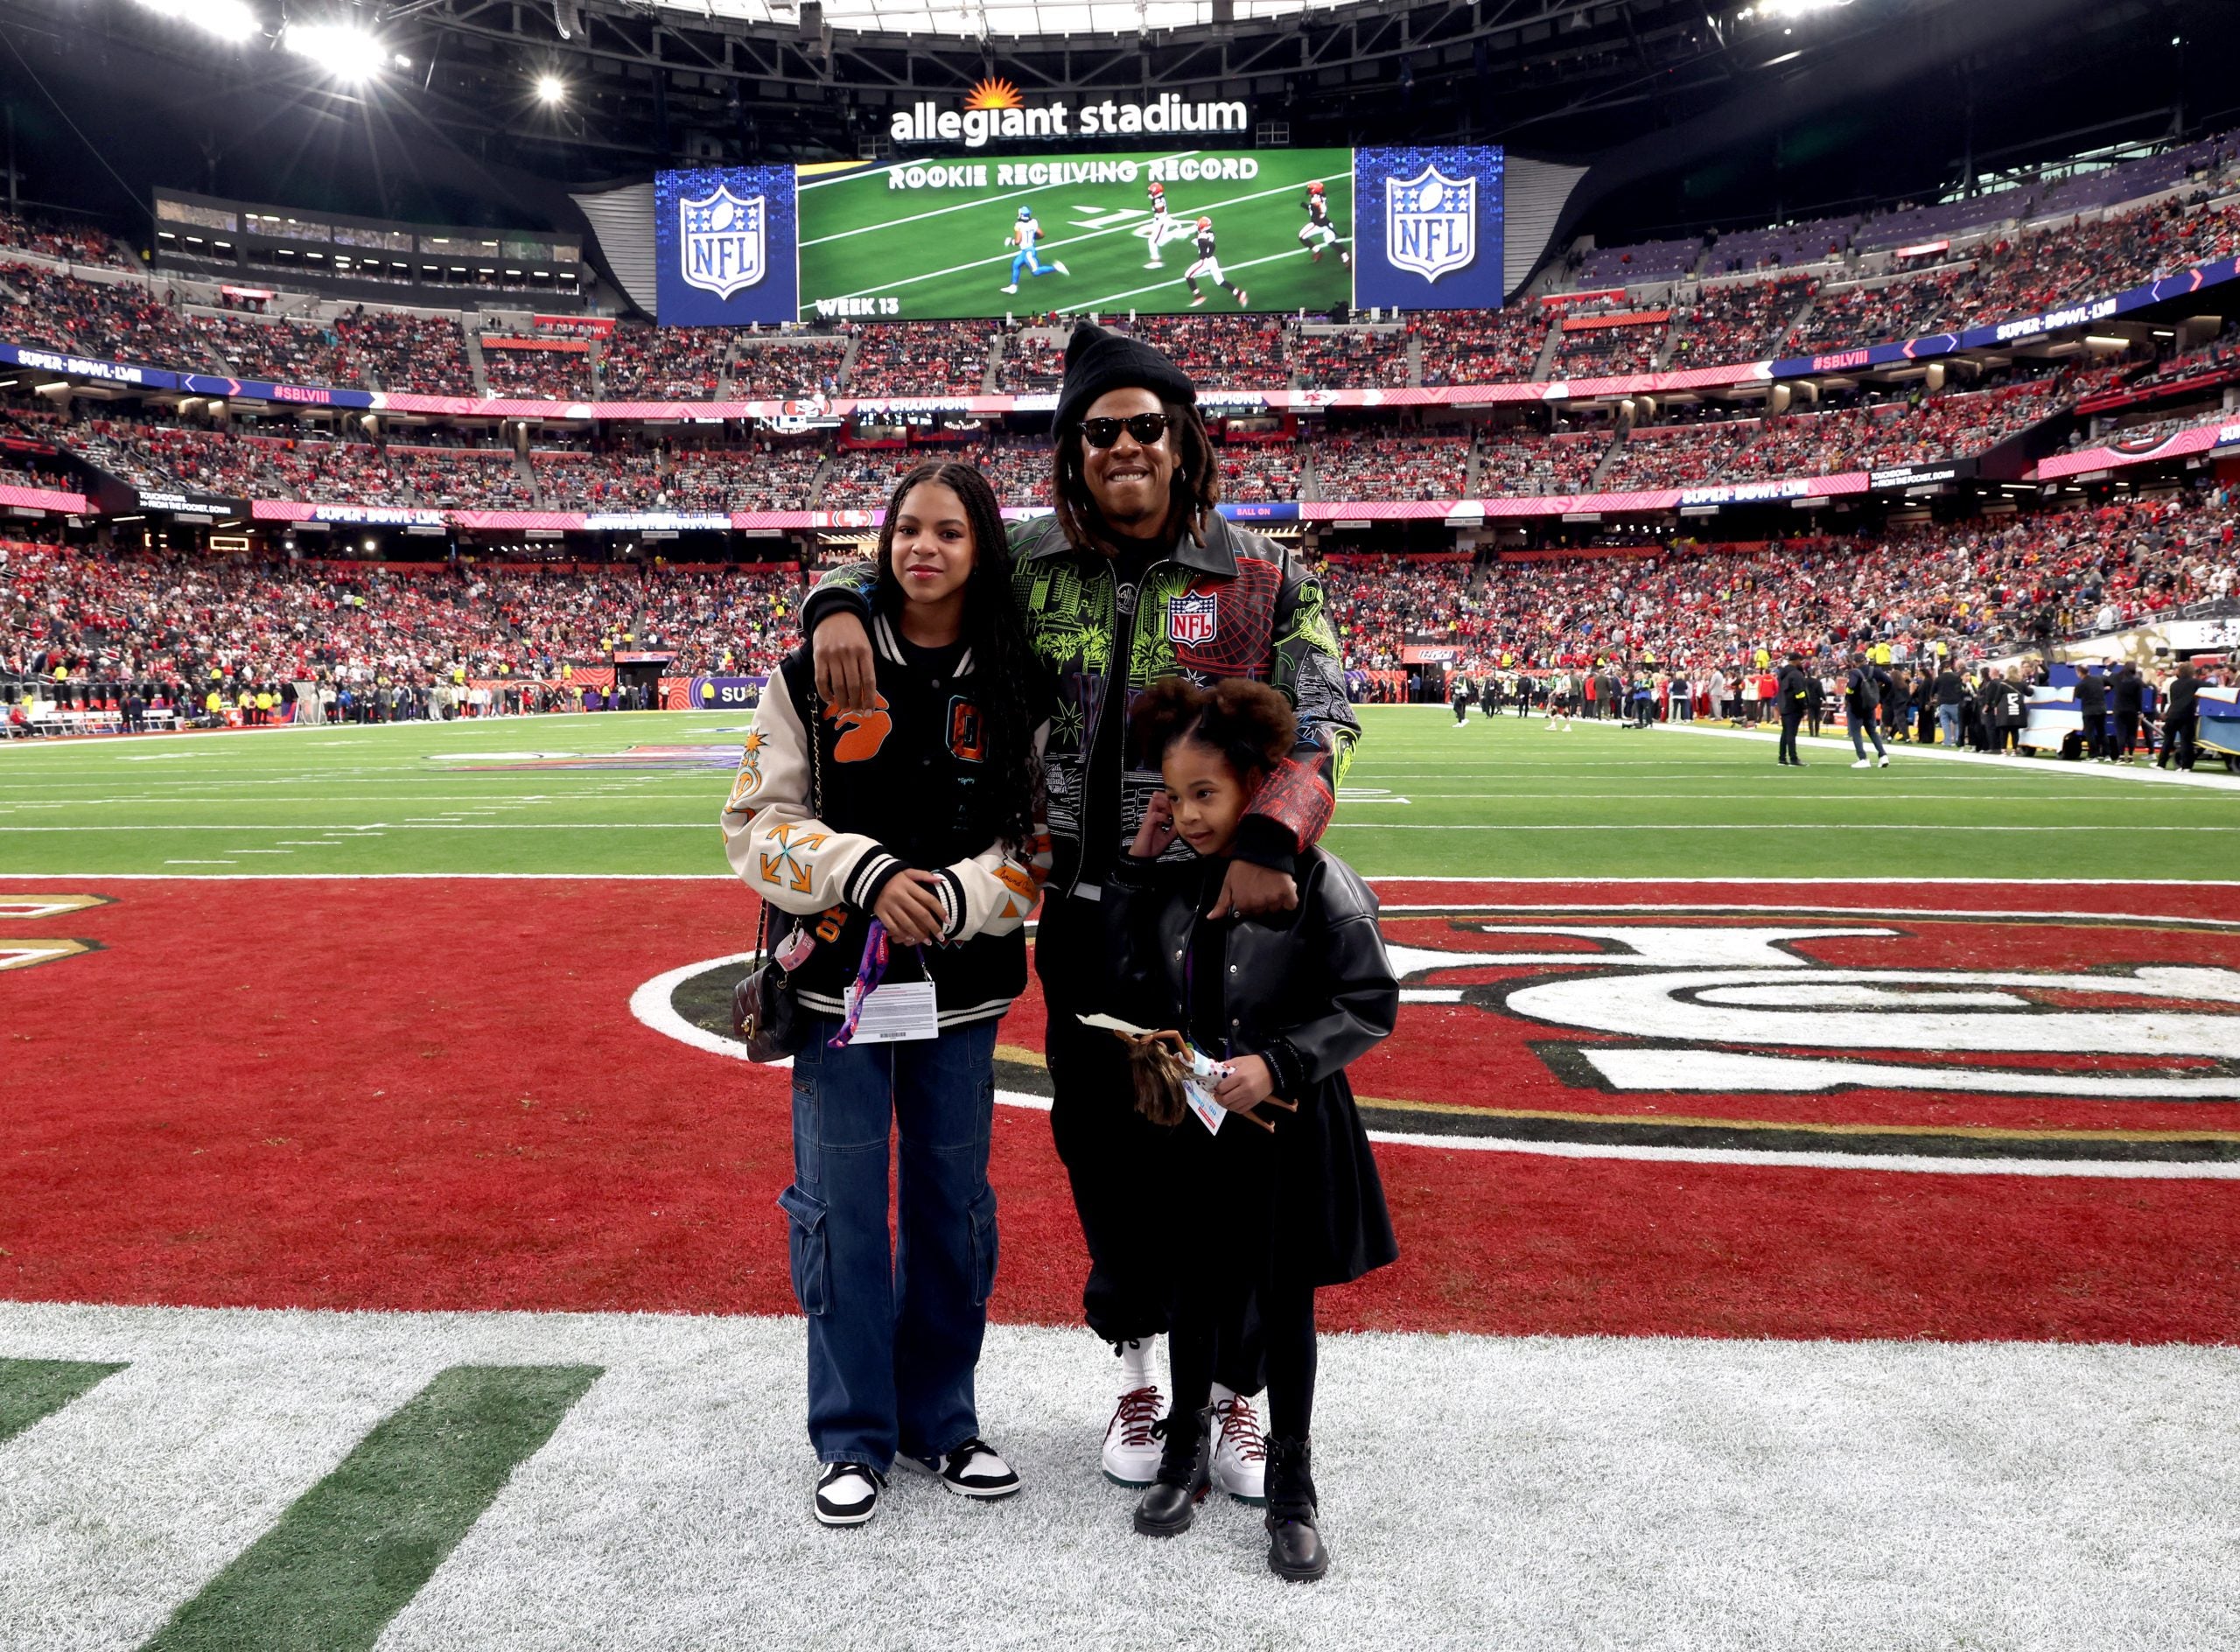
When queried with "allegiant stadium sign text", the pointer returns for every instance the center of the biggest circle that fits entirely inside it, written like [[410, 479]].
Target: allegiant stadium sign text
[[927, 122]]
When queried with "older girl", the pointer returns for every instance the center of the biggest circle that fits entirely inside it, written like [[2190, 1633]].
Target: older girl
[[903, 838]]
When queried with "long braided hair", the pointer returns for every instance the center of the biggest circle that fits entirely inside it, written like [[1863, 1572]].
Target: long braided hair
[[1011, 696], [1193, 492]]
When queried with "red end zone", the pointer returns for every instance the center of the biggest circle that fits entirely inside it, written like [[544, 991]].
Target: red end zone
[[1617, 1108]]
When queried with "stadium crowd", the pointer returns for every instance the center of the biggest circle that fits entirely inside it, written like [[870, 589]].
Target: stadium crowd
[[58, 238], [1973, 586], [536, 373], [84, 625], [638, 362]]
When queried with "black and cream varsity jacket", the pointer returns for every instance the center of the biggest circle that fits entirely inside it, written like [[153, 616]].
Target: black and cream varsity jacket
[[901, 786]]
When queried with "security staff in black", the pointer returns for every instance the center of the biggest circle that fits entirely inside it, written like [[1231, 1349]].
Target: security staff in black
[[2127, 700], [2092, 709], [2180, 719], [1795, 686]]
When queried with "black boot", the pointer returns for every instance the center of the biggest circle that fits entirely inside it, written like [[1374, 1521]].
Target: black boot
[[1295, 1551], [1184, 1473]]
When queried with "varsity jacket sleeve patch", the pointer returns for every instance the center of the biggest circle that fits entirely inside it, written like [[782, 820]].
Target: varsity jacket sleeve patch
[[1302, 795], [774, 843], [991, 893]]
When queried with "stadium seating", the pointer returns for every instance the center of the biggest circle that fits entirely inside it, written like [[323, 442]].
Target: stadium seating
[[921, 358], [1475, 346], [766, 370], [1034, 361], [106, 619], [1741, 322], [1515, 462], [120, 320], [660, 364], [1341, 358], [1412, 465], [538, 375], [58, 238], [1595, 353], [1975, 586]]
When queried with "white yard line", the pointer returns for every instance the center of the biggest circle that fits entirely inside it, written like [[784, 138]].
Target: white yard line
[[126, 1502], [1592, 1492], [2051, 768]]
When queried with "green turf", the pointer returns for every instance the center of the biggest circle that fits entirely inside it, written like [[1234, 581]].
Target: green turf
[[1505, 798], [32, 1388], [352, 1550], [941, 252]]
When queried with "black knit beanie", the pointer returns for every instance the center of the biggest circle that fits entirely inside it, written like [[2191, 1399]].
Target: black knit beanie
[[1097, 361]]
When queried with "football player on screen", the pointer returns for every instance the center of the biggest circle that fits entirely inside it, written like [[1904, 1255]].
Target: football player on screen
[[1163, 228], [1318, 228], [1024, 234], [1209, 267]]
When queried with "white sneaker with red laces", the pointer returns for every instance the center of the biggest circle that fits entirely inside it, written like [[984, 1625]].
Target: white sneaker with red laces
[[1240, 1465], [1131, 1453]]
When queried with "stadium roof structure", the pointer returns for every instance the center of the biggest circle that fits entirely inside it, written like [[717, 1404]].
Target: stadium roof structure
[[991, 18], [1688, 115]]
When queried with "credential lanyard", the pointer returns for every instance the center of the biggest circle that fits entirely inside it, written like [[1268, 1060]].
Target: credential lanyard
[[869, 974]]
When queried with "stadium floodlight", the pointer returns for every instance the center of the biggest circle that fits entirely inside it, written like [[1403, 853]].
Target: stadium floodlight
[[227, 20], [551, 89], [1790, 10], [349, 54]]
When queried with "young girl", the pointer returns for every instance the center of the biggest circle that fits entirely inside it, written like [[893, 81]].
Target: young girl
[[903, 840], [1289, 1188]]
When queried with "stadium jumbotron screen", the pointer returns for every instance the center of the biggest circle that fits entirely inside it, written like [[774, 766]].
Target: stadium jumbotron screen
[[1157, 231]]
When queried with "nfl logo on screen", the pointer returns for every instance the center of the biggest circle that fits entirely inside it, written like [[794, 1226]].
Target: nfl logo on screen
[[1192, 620], [722, 242], [1430, 223]]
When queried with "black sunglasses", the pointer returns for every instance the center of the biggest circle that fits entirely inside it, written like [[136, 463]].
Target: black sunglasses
[[1146, 428]]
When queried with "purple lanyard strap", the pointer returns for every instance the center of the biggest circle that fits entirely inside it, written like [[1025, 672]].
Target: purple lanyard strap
[[869, 974]]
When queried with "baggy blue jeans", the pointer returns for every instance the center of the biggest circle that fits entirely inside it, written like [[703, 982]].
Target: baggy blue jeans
[[893, 1335]]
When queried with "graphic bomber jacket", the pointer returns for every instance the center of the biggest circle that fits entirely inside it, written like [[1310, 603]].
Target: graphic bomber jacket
[[1236, 606]]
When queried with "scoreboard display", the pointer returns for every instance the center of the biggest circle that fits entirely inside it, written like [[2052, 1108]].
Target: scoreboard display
[[1159, 231]]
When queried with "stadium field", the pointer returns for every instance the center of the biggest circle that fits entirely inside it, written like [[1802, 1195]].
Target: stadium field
[[942, 253], [1501, 797], [1818, 1194]]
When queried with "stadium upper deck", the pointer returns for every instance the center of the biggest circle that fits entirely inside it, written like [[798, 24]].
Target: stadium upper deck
[[1699, 395]]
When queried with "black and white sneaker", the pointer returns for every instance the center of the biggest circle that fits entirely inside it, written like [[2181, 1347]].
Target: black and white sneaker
[[972, 1470], [847, 1494]]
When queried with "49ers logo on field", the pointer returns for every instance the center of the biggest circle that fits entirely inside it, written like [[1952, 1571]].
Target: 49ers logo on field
[[1973, 1036], [1954, 1033]]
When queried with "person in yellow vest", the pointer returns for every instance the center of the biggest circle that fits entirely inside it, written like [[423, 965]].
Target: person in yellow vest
[[213, 703], [264, 704]]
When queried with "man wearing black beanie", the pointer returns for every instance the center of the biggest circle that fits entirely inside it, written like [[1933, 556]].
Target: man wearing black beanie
[[1135, 577]]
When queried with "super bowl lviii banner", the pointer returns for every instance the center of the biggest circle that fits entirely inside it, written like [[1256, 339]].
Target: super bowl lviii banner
[[724, 243], [1430, 228]]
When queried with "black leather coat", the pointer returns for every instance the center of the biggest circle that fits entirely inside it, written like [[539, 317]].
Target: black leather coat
[[1311, 991]]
